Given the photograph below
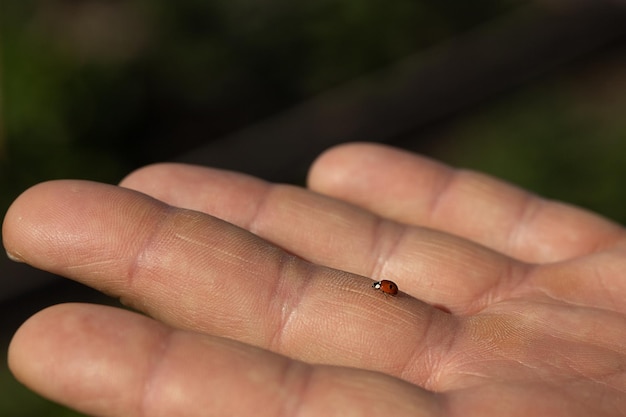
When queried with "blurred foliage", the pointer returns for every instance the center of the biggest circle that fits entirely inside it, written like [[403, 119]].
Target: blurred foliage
[[563, 137], [92, 88]]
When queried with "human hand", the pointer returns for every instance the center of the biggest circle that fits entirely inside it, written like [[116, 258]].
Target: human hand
[[509, 305]]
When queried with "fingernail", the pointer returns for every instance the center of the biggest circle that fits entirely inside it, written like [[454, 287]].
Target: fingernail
[[14, 257]]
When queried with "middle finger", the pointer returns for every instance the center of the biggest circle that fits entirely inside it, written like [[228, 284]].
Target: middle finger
[[434, 266]]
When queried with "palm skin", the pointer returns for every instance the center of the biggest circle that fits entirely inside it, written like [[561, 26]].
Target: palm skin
[[260, 302]]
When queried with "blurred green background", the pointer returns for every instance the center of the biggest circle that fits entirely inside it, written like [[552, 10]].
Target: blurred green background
[[92, 89]]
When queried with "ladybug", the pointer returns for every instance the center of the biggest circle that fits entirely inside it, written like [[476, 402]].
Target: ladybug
[[388, 287]]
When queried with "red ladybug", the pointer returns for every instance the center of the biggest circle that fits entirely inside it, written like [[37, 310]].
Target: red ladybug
[[388, 287]]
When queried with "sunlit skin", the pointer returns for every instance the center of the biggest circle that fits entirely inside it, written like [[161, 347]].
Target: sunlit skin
[[257, 298]]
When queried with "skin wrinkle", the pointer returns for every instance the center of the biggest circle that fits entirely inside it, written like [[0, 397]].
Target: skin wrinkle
[[596, 339], [148, 385], [588, 378], [506, 285], [261, 203], [566, 362], [431, 251], [530, 204], [255, 223], [443, 188], [320, 207], [91, 265], [291, 299], [613, 348], [399, 314], [416, 359], [285, 387], [527, 211], [135, 267], [467, 372], [501, 339], [552, 289], [216, 249], [599, 277], [443, 360], [383, 231], [512, 277], [304, 374]]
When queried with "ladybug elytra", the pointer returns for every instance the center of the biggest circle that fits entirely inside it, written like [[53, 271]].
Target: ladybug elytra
[[386, 286]]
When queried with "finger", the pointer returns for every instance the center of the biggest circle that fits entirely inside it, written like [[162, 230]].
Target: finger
[[595, 281], [416, 190], [109, 362], [194, 271], [435, 267]]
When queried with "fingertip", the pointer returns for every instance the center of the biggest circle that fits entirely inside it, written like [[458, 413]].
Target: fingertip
[[33, 346], [32, 223], [149, 176], [80, 355], [334, 163], [21, 346], [228, 195], [34, 204], [360, 172]]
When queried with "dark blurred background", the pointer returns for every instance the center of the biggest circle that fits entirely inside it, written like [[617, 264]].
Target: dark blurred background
[[530, 91]]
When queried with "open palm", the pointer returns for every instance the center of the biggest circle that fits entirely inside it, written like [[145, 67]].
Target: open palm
[[261, 304]]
